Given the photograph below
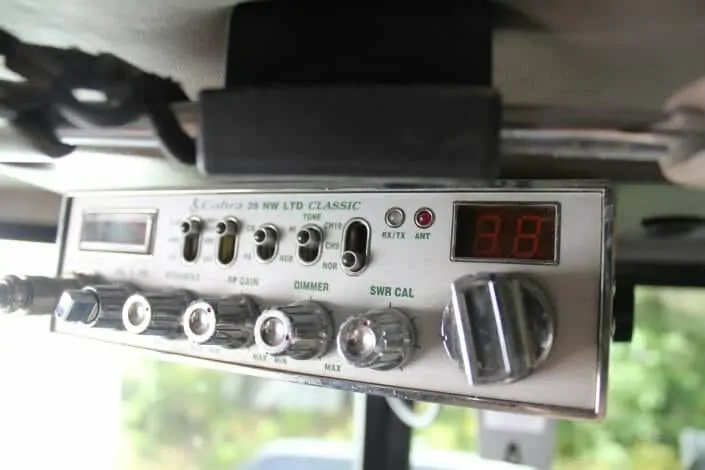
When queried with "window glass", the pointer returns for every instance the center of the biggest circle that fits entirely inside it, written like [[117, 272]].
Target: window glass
[[183, 417], [656, 398], [656, 391], [454, 429]]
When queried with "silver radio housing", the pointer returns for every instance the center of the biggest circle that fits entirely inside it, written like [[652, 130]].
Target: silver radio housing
[[419, 271]]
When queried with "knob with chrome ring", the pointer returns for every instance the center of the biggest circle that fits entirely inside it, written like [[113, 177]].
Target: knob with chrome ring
[[378, 339], [300, 331], [227, 322], [155, 313]]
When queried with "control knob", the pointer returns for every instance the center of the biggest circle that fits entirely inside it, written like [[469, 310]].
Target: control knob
[[32, 294], [378, 339], [155, 313], [498, 327], [227, 322], [300, 331], [94, 306]]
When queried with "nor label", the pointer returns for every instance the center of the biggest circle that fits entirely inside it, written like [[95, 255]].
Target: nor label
[[391, 291]]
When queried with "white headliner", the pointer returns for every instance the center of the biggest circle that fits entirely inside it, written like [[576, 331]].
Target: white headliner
[[602, 52], [597, 53]]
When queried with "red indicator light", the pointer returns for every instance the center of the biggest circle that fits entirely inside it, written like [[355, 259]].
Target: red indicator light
[[424, 217]]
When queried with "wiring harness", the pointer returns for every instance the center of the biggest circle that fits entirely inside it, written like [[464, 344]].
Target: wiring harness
[[47, 98]]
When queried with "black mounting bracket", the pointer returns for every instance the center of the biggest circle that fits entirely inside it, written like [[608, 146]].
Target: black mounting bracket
[[398, 89]]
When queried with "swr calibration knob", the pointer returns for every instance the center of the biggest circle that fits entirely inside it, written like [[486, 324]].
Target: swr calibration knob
[[227, 322], [300, 331], [378, 339], [498, 327], [155, 313], [94, 306]]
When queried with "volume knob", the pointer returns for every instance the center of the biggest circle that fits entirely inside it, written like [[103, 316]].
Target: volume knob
[[378, 339], [498, 327], [300, 331], [94, 306], [32, 294], [155, 313], [226, 322]]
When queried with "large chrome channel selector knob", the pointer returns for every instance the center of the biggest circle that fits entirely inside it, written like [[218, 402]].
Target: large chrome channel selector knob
[[155, 313], [227, 322], [498, 327], [378, 339], [300, 331], [94, 306]]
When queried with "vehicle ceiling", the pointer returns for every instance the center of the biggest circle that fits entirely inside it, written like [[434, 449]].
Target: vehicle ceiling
[[597, 53], [618, 53]]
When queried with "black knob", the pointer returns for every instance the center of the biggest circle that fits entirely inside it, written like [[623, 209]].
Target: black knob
[[95, 306], [300, 331], [155, 313], [260, 236], [220, 228], [226, 322]]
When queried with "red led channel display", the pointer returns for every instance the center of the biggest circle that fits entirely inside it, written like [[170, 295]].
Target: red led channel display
[[505, 232]]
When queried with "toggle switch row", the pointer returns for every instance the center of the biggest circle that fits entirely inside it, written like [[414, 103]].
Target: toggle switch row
[[309, 241], [354, 259]]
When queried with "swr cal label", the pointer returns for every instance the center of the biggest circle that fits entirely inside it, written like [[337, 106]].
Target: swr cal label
[[392, 291]]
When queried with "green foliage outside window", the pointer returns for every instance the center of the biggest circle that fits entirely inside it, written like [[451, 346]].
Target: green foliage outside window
[[656, 388]]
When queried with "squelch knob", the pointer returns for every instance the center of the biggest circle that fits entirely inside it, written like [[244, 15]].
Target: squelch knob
[[155, 313], [94, 306], [498, 327], [300, 331], [378, 339], [226, 322]]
